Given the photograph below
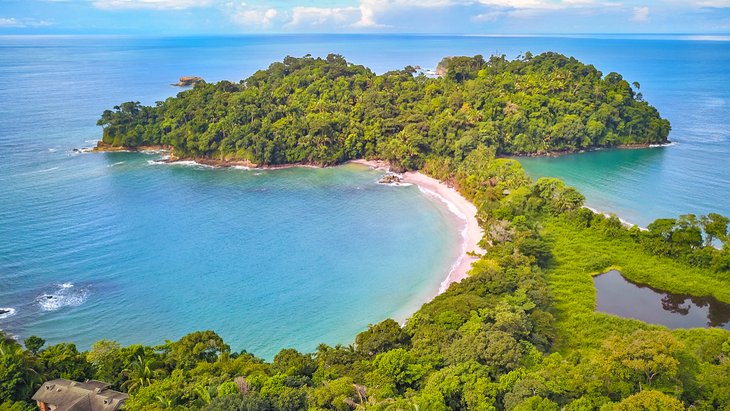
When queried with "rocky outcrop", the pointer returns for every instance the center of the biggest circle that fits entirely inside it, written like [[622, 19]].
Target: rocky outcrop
[[390, 179], [188, 81]]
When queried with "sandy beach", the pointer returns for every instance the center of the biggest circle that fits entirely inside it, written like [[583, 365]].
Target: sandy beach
[[460, 207]]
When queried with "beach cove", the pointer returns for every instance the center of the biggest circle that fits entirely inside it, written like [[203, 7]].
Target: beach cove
[[133, 267], [463, 212], [53, 197]]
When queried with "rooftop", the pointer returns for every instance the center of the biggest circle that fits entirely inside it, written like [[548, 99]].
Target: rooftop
[[90, 395]]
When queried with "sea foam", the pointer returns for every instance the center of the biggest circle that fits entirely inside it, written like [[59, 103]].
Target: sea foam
[[65, 295], [6, 312], [464, 236], [451, 206], [186, 163], [670, 144]]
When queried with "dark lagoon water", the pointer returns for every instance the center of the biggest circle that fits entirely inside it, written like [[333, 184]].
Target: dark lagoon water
[[110, 246], [619, 296]]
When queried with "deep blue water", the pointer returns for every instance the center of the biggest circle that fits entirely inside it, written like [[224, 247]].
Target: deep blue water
[[138, 252]]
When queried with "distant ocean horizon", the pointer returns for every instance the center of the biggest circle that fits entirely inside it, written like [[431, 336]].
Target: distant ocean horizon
[[112, 246]]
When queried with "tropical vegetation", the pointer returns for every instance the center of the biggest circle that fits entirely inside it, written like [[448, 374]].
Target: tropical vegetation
[[520, 333], [326, 110]]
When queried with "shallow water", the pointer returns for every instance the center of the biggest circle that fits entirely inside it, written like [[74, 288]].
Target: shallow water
[[119, 247], [689, 83], [619, 296], [141, 252]]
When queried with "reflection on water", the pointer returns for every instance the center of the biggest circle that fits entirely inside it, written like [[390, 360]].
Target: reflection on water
[[619, 296]]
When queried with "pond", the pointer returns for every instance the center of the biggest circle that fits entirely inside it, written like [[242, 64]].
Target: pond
[[619, 296]]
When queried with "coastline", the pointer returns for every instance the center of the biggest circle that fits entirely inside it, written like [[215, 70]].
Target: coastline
[[625, 223], [555, 154], [462, 209], [465, 212]]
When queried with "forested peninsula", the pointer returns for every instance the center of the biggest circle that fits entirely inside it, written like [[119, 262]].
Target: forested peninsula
[[325, 111], [520, 333]]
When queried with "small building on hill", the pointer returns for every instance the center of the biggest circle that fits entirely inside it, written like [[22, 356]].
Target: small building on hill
[[66, 395]]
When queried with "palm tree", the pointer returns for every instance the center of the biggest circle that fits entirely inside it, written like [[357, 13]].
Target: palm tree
[[139, 374], [14, 353]]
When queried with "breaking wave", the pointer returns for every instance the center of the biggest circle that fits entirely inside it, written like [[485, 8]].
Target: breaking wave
[[65, 295], [6, 312]]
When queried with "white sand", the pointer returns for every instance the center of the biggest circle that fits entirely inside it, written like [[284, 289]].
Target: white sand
[[468, 226]]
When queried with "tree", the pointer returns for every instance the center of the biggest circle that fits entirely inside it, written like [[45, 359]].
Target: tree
[[650, 401], [495, 349], [644, 358], [537, 403], [34, 344], [715, 227], [326, 111], [238, 403], [463, 68], [291, 362], [17, 378], [537, 248], [106, 357], [662, 228], [687, 233], [196, 347], [139, 374], [65, 361], [397, 370], [228, 388], [381, 337], [337, 394]]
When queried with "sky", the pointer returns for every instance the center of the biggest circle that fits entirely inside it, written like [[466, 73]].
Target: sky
[[198, 17]]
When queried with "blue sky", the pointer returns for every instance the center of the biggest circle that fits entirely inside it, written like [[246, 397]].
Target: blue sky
[[188, 17]]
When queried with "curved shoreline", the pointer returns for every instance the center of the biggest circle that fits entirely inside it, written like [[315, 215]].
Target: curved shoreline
[[464, 211]]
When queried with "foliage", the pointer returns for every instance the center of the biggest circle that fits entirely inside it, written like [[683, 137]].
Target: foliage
[[520, 332], [327, 110], [650, 401]]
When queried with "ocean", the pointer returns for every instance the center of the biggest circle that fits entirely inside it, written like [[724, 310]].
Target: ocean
[[116, 246]]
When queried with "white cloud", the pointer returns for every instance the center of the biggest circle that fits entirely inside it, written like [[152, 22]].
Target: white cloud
[[20, 23], [489, 16], [255, 17], [715, 3], [641, 14], [373, 11], [11, 22], [550, 5], [367, 15], [150, 4], [522, 4], [321, 16], [370, 9]]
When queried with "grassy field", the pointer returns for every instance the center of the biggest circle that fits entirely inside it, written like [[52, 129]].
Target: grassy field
[[581, 253]]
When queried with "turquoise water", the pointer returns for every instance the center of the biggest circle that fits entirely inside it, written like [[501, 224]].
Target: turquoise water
[[140, 252], [689, 82], [113, 246]]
